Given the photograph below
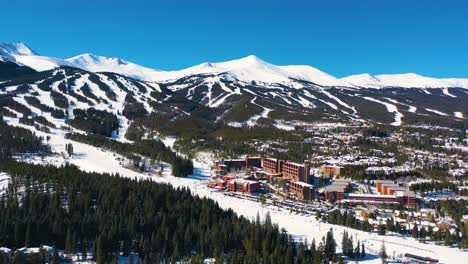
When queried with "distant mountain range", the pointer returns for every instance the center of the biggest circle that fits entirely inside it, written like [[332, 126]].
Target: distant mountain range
[[244, 92], [246, 69]]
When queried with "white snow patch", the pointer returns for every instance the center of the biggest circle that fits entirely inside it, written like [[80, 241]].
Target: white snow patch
[[284, 126], [4, 179], [329, 104], [446, 92], [436, 111], [264, 114], [458, 114], [411, 108], [391, 108], [339, 101]]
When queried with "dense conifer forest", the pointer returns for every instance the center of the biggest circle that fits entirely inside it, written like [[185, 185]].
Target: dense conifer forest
[[94, 121], [109, 215], [16, 141]]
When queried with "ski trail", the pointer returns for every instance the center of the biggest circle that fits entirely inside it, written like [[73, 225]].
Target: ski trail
[[264, 114], [391, 108]]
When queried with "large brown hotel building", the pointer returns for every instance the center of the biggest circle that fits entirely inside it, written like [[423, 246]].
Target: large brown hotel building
[[296, 171]]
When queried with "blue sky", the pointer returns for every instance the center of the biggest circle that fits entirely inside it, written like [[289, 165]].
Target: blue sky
[[340, 37]]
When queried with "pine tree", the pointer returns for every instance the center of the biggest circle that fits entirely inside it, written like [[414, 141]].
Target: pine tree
[[19, 258], [383, 252], [357, 251], [415, 231], [27, 239], [69, 149], [344, 243], [68, 242], [363, 251], [447, 238], [381, 229], [301, 254], [100, 256], [84, 252], [219, 259], [289, 257], [115, 260], [313, 247], [330, 245], [55, 257]]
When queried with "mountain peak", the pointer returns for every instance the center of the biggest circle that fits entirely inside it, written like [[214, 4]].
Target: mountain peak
[[252, 58], [9, 51], [249, 60], [88, 59]]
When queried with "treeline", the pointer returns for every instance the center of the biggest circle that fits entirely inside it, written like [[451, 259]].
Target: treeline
[[110, 216], [94, 121], [453, 208], [376, 132], [424, 187], [17, 141], [153, 149], [350, 250]]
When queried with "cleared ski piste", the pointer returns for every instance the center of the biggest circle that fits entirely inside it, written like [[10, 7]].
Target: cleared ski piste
[[302, 227]]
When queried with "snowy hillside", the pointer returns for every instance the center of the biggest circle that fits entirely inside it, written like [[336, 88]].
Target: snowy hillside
[[20, 53], [15, 49], [407, 80], [97, 63]]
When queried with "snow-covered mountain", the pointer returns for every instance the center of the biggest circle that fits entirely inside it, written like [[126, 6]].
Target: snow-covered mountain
[[246, 69], [225, 94], [406, 80], [10, 50], [251, 68], [21, 54], [95, 63]]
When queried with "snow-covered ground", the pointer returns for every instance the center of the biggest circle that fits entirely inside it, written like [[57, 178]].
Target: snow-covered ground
[[121, 260], [436, 111], [458, 114]]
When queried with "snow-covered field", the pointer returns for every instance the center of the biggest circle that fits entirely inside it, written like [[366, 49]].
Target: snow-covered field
[[301, 226]]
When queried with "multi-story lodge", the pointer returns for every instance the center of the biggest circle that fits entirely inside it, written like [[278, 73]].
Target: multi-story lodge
[[228, 165], [301, 190], [246, 186], [295, 171], [272, 166]]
